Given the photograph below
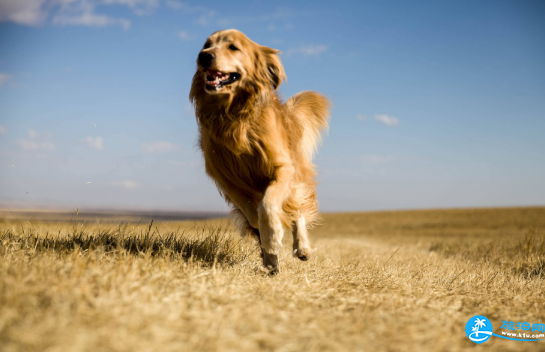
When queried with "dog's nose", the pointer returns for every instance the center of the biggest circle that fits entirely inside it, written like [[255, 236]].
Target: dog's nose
[[205, 59]]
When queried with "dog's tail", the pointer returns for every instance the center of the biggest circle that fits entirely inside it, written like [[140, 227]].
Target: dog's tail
[[312, 111]]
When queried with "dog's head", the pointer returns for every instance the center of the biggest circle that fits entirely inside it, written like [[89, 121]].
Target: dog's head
[[229, 60]]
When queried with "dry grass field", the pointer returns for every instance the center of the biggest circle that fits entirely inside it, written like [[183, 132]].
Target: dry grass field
[[379, 281]]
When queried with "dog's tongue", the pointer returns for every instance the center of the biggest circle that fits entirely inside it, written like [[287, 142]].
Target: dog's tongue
[[214, 73]]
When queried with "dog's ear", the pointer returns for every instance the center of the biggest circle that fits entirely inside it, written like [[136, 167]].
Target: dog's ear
[[274, 68]]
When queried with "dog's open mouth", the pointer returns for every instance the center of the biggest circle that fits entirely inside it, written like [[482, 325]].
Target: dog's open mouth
[[215, 80]]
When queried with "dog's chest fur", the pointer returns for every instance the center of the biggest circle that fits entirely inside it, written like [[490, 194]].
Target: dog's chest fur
[[235, 158]]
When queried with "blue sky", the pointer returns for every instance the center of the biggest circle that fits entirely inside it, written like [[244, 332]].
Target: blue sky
[[436, 104]]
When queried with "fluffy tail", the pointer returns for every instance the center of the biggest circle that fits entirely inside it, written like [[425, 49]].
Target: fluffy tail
[[312, 111]]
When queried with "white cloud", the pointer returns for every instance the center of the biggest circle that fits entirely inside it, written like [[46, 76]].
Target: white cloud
[[362, 117], [32, 134], [175, 5], [92, 20], [134, 3], [82, 13], [280, 14], [157, 147], [3, 130], [178, 5], [128, 184], [139, 7], [69, 12], [205, 19], [183, 35], [36, 141], [4, 77], [387, 120], [26, 12], [95, 143], [307, 50], [377, 159]]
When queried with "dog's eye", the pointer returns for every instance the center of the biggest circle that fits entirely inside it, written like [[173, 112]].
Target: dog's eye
[[232, 47]]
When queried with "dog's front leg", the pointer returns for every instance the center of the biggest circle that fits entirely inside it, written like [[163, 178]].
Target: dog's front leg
[[270, 207]]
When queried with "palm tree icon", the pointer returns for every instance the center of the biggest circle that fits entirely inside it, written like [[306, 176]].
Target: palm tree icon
[[479, 323]]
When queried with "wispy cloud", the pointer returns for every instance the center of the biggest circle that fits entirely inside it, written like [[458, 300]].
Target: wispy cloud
[[206, 19], [175, 5], [25, 12], [36, 141], [157, 147], [307, 50], [95, 143], [183, 35], [3, 130], [279, 15], [87, 12], [362, 117], [128, 184], [183, 6], [203, 14], [139, 7], [82, 13], [92, 20], [70, 12], [387, 120], [4, 78], [377, 159]]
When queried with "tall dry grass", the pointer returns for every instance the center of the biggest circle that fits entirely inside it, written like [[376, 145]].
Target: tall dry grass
[[207, 244], [399, 281]]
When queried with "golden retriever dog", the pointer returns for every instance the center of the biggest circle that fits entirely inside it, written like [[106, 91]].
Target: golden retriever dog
[[258, 149]]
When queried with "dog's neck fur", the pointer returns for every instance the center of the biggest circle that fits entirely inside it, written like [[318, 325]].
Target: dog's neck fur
[[229, 117]]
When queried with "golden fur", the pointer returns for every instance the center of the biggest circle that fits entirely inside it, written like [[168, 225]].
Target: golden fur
[[256, 148]]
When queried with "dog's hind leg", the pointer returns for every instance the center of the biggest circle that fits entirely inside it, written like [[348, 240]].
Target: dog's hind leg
[[301, 244]]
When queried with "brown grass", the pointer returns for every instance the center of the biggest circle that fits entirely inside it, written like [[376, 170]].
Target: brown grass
[[400, 281]]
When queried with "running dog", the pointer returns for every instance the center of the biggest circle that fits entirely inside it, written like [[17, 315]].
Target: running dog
[[258, 149]]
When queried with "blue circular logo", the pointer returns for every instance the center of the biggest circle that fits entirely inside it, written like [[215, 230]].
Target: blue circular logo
[[479, 329]]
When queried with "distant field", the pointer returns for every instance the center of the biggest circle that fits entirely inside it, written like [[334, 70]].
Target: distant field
[[102, 216], [379, 281]]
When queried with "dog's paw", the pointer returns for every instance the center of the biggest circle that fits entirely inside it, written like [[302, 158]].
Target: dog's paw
[[269, 270], [303, 254], [270, 263]]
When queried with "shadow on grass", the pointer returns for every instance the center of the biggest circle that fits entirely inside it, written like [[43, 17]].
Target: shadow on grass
[[208, 245], [525, 257]]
